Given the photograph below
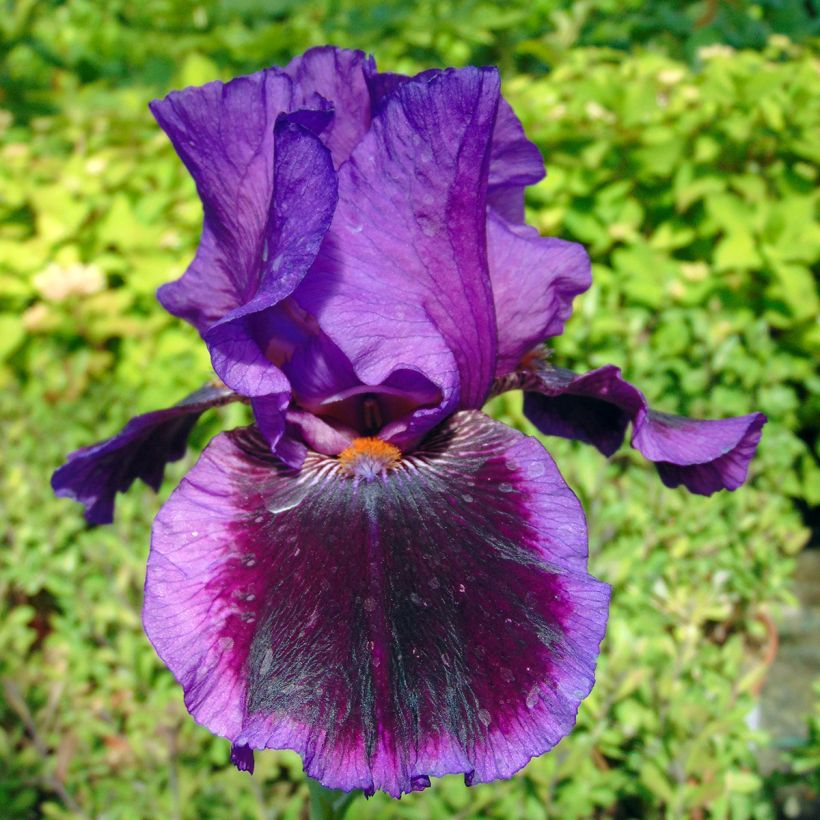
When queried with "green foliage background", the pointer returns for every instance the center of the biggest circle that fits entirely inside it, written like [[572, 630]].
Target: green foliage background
[[682, 141]]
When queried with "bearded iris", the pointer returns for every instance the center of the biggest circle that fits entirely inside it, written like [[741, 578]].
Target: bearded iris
[[375, 573]]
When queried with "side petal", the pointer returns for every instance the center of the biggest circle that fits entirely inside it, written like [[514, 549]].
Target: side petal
[[338, 75], [703, 455], [402, 278], [94, 475], [535, 280], [435, 618], [223, 132], [304, 198]]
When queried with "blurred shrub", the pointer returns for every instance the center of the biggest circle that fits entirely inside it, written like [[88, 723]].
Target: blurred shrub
[[694, 186]]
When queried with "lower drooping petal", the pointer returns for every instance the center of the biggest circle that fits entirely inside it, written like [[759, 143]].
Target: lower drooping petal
[[703, 455], [94, 475], [433, 618]]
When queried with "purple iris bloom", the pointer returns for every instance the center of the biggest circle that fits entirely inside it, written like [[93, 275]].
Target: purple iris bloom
[[375, 573]]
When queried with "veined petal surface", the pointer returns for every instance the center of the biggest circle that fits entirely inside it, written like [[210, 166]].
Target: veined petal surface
[[433, 618], [402, 279], [338, 75], [223, 132]]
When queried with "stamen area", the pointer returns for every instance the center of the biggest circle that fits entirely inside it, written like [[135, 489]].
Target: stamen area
[[368, 458]]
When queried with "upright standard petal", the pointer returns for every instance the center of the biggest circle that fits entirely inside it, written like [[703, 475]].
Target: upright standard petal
[[94, 475], [338, 75], [703, 455], [304, 198], [402, 280], [389, 618], [223, 132], [515, 162], [535, 280]]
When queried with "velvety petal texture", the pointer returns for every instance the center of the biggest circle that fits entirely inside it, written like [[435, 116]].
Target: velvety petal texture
[[389, 625], [596, 407], [535, 280], [402, 279], [94, 475]]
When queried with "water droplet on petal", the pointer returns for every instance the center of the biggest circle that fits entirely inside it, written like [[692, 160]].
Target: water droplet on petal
[[467, 498], [369, 604], [532, 698], [505, 487], [484, 716]]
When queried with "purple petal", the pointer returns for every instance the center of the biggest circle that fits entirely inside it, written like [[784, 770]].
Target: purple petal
[[304, 197], [402, 278], [433, 618], [705, 456], [224, 135], [94, 475], [242, 757], [515, 163], [339, 76], [534, 279]]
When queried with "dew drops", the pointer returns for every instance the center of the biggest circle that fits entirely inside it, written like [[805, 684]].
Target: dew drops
[[194, 534], [226, 643], [248, 560], [510, 464], [507, 675], [416, 599], [467, 498], [434, 583], [505, 487], [248, 617], [532, 698], [259, 519], [484, 716], [462, 589], [369, 604]]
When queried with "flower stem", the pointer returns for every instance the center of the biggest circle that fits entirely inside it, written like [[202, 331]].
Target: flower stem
[[327, 804]]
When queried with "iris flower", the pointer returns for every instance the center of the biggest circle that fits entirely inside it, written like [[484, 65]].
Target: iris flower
[[375, 573]]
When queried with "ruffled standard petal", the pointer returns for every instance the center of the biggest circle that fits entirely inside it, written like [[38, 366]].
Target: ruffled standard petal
[[389, 626], [402, 280], [535, 280], [223, 132], [515, 162], [94, 475], [304, 198], [338, 75], [703, 455]]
